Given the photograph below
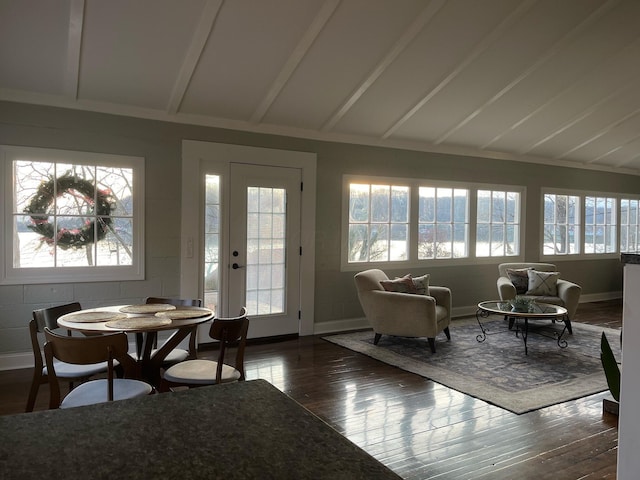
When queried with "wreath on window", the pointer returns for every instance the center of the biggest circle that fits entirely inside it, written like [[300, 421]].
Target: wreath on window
[[101, 200]]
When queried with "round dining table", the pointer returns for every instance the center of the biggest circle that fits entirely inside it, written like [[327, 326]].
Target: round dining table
[[145, 321]]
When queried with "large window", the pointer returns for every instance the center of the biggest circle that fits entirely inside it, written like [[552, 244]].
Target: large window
[[378, 223], [629, 225], [443, 223], [71, 216], [498, 224], [583, 224], [412, 222], [561, 229], [599, 225]]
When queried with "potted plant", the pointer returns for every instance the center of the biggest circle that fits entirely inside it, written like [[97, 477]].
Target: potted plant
[[612, 373]]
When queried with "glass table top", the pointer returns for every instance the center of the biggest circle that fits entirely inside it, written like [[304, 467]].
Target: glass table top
[[530, 309]]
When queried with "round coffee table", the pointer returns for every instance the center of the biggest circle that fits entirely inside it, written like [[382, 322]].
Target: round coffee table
[[520, 317]]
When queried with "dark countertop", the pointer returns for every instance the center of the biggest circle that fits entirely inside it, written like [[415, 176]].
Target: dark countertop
[[630, 258], [243, 431]]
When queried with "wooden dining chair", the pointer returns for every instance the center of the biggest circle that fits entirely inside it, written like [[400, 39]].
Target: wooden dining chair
[[48, 317], [109, 348], [179, 354], [229, 332]]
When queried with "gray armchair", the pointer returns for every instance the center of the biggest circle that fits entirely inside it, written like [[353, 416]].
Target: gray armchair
[[568, 293], [403, 314]]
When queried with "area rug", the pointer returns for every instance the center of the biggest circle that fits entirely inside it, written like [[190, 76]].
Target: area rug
[[497, 370]]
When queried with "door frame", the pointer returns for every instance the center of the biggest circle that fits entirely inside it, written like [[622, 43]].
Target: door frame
[[221, 155]]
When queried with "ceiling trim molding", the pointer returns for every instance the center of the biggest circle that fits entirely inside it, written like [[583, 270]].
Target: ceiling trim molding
[[268, 129]]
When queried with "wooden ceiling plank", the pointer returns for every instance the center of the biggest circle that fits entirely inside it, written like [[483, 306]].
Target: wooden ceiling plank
[[318, 23], [193, 54]]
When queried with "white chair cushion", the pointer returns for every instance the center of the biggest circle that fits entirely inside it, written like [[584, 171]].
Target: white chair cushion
[[200, 372], [69, 370], [176, 355], [95, 391]]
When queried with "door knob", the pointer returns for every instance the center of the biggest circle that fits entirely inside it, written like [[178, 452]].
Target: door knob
[[235, 266]]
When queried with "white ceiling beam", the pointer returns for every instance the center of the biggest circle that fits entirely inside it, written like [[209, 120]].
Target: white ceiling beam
[[409, 35], [74, 47], [609, 128], [480, 48], [303, 46], [550, 53], [607, 64], [193, 54], [578, 117]]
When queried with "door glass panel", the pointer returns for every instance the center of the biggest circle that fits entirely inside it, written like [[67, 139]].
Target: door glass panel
[[212, 242], [266, 232]]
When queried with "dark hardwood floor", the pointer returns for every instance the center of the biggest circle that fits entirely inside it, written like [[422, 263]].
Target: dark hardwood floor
[[420, 429]]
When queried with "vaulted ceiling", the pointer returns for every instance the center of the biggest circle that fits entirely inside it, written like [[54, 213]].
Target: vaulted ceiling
[[548, 81]]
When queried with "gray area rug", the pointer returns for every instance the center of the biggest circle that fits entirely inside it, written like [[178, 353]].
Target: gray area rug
[[497, 370]]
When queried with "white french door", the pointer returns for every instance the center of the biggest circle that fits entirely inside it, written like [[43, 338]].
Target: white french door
[[264, 247], [249, 250]]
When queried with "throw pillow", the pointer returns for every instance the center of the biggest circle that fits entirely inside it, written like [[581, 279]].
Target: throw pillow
[[399, 285], [519, 278], [422, 284], [543, 283]]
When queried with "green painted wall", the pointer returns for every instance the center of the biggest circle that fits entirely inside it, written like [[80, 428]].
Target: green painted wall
[[335, 298]]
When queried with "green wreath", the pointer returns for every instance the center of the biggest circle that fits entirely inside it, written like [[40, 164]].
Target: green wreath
[[70, 238]]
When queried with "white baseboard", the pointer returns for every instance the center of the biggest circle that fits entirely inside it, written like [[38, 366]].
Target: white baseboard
[[14, 361]]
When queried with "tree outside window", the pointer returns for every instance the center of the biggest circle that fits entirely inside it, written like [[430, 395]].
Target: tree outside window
[[561, 227], [498, 223], [67, 215], [600, 225], [378, 223], [443, 223], [629, 225], [71, 216]]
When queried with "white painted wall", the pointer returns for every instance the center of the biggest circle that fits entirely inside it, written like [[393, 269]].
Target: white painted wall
[[629, 420]]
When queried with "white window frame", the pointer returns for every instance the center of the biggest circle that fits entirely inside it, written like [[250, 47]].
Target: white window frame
[[415, 184], [387, 224], [449, 224], [9, 275], [577, 225], [608, 225], [492, 225], [582, 194]]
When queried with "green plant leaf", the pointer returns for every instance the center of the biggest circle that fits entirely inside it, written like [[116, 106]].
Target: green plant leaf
[[611, 368]]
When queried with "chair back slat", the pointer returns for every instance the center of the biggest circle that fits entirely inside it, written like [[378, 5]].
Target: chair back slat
[[231, 332], [85, 351], [178, 302], [48, 317]]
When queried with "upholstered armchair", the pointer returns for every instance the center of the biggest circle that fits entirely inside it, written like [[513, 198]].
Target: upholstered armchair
[[547, 287], [423, 314]]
